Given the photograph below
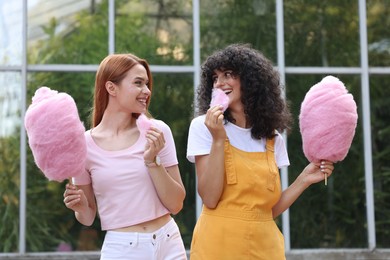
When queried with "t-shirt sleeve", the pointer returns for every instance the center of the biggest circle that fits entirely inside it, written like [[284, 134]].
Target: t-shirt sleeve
[[199, 139], [85, 177], [82, 179], [168, 154], [281, 154]]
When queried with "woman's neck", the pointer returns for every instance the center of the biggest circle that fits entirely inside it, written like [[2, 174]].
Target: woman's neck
[[117, 122], [239, 118]]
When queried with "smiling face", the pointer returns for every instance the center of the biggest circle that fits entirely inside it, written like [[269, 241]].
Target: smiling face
[[229, 83], [132, 93]]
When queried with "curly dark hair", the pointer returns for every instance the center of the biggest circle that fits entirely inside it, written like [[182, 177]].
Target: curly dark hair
[[265, 108]]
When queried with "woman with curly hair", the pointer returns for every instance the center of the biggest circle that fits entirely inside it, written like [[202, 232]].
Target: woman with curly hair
[[237, 154]]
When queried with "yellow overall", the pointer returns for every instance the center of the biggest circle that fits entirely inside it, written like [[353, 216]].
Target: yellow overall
[[241, 227]]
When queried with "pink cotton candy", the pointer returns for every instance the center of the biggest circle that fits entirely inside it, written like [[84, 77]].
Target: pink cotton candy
[[327, 121], [143, 123], [218, 97], [56, 134]]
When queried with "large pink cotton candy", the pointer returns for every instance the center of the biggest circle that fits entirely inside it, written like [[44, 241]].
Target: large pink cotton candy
[[327, 121], [56, 134], [143, 123], [218, 97]]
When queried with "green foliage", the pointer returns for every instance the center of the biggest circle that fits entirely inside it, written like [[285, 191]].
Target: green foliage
[[330, 38], [380, 127], [317, 33], [169, 96], [336, 210], [325, 32], [171, 102], [226, 22], [9, 193]]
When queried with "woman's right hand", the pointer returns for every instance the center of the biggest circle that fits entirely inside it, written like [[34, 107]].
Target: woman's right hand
[[214, 122], [210, 168], [75, 199]]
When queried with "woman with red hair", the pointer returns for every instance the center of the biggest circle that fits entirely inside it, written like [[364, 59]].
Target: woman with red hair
[[131, 175]]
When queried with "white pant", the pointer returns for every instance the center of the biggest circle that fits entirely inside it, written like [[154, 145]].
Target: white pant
[[163, 244]]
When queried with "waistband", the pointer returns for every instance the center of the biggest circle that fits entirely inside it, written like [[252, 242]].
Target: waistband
[[161, 233], [259, 215]]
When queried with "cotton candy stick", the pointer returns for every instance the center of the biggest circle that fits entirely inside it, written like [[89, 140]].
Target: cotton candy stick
[[218, 97]]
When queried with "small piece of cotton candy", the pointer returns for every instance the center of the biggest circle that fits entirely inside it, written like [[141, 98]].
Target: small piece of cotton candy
[[143, 123], [327, 121], [56, 134], [218, 97]]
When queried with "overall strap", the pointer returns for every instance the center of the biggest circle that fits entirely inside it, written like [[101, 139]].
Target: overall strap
[[231, 177], [273, 169]]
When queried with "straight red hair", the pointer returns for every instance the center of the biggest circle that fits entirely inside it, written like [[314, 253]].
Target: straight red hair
[[114, 68]]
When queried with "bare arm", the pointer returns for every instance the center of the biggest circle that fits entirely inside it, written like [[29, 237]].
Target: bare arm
[[313, 173], [210, 169], [169, 186], [167, 181], [81, 200]]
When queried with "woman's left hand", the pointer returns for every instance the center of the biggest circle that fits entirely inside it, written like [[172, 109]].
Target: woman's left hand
[[155, 142], [316, 172]]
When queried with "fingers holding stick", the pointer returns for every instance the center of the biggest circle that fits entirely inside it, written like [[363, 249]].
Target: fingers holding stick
[[326, 168]]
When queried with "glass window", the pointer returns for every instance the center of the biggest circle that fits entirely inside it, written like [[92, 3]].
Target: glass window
[[321, 33], [172, 102], [328, 216], [380, 118], [11, 31], [79, 85], [159, 31], [316, 34], [10, 123], [59, 30], [50, 225], [10, 98], [226, 22], [378, 33]]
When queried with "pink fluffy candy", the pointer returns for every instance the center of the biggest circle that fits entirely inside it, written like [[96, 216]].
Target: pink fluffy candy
[[143, 123], [218, 97], [327, 121], [56, 134]]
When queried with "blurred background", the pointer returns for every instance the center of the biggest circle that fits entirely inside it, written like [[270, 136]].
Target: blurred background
[[59, 44]]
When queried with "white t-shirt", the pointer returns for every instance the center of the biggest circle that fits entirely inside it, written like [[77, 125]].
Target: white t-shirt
[[200, 140]]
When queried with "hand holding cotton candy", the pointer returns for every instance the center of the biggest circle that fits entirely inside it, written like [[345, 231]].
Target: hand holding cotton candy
[[56, 134], [218, 97], [327, 121]]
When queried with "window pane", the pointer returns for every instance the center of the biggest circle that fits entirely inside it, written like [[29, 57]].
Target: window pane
[[378, 22], [11, 32], [171, 102], [225, 22], [321, 33], [10, 100], [67, 32], [380, 125], [159, 31], [329, 216], [50, 225]]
